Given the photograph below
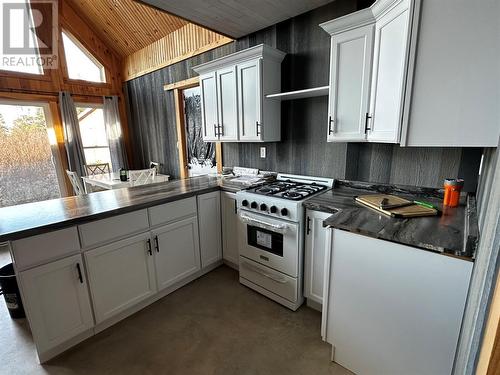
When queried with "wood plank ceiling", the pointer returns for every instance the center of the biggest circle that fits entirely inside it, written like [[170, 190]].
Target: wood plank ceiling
[[126, 25], [237, 18]]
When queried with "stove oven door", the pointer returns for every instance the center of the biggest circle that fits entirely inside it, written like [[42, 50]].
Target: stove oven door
[[269, 241]]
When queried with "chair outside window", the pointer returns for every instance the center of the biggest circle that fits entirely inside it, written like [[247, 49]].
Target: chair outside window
[[76, 183], [93, 169]]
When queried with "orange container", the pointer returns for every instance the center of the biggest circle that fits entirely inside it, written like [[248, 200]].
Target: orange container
[[452, 189]]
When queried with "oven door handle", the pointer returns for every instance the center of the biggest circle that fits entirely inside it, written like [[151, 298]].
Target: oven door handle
[[255, 269], [281, 228]]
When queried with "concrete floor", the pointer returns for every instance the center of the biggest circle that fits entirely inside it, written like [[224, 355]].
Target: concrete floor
[[212, 326]]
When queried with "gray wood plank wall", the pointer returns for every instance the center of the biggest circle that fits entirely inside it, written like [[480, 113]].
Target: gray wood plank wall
[[303, 149]]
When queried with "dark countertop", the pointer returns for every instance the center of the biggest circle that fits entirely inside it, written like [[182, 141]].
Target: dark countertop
[[452, 233], [34, 218]]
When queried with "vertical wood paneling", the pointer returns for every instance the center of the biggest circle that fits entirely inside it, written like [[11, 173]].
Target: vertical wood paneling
[[185, 42], [303, 149]]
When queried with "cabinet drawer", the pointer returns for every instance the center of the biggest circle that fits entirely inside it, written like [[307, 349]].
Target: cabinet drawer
[[105, 230], [168, 212], [276, 282], [36, 250]]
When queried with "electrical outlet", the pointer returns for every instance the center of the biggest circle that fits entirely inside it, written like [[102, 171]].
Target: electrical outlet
[[263, 152]]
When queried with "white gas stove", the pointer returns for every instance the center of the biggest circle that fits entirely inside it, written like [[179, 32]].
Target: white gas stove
[[271, 236]]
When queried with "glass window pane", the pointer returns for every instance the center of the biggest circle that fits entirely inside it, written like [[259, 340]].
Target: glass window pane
[[27, 171], [12, 63], [97, 155], [80, 63], [92, 126]]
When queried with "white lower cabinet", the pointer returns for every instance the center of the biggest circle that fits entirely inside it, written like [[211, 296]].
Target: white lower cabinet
[[314, 262], [391, 308], [120, 275], [177, 252], [57, 302], [229, 228], [209, 221]]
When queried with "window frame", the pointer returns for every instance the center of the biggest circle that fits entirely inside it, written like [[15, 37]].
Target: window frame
[[105, 73], [97, 106]]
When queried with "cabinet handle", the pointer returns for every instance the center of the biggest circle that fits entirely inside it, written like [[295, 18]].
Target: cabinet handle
[[157, 246], [257, 125], [330, 122], [215, 130], [308, 226], [79, 270], [366, 122], [148, 242], [235, 206]]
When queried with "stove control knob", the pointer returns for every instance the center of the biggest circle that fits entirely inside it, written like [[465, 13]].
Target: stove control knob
[[273, 209], [284, 212], [263, 207], [253, 205], [244, 203]]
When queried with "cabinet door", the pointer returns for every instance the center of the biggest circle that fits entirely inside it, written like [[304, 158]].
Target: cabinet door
[[315, 255], [227, 104], [209, 221], [250, 100], [229, 228], [350, 68], [389, 74], [177, 252], [120, 275], [208, 84], [395, 302], [57, 301]]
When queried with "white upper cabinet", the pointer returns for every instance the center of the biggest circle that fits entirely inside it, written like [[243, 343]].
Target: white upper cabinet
[[434, 74], [388, 83], [368, 65], [209, 110], [351, 56], [227, 127], [455, 95], [233, 96], [249, 100]]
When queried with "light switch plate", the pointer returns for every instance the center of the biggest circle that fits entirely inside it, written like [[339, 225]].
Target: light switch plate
[[263, 152]]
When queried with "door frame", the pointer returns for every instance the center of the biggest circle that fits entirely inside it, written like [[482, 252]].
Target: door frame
[[177, 88]]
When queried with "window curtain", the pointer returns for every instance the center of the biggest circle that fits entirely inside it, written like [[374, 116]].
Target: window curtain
[[114, 133], [72, 136]]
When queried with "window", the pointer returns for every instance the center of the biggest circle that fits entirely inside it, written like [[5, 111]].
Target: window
[[17, 34], [30, 167], [80, 62], [93, 132]]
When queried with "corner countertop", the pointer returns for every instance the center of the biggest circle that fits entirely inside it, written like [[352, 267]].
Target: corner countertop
[[39, 217], [452, 233]]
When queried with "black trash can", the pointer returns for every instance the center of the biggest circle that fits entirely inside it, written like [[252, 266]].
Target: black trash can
[[10, 291]]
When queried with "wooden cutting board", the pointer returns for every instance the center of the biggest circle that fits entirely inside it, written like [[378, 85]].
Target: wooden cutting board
[[408, 210]]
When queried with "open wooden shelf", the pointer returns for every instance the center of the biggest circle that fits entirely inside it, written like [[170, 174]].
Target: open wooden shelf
[[299, 94]]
